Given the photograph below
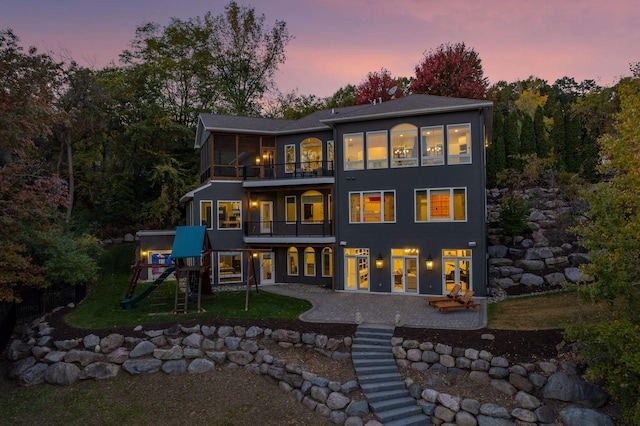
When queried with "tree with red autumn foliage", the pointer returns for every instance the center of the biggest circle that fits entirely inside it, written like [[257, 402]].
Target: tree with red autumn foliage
[[376, 88], [451, 70]]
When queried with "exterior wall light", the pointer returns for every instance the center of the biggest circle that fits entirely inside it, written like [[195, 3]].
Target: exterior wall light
[[254, 203], [429, 263], [379, 262]]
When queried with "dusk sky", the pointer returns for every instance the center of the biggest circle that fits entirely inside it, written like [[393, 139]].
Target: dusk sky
[[339, 42]]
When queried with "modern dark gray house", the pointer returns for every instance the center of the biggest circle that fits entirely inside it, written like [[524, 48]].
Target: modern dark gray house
[[386, 197]]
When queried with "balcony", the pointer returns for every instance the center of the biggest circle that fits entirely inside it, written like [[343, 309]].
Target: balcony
[[282, 232]]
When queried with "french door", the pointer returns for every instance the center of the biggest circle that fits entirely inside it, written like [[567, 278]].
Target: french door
[[456, 269], [266, 216], [266, 268], [356, 269]]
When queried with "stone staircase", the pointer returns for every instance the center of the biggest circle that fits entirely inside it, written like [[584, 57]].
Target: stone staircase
[[380, 379]]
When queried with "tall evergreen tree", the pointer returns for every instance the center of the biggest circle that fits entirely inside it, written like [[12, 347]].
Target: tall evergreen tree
[[527, 136], [574, 154], [542, 143], [557, 136], [496, 159], [512, 139]]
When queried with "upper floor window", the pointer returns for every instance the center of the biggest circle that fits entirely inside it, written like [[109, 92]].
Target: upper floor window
[[441, 205], [459, 144], [311, 154], [290, 209], [377, 150], [229, 214], [372, 206], [312, 206], [353, 151], [289, 158], [206, 214], [432, 145], [330, 155], [404, 145]]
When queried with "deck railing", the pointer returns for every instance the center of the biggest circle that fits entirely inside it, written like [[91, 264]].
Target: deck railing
[[298, 228]]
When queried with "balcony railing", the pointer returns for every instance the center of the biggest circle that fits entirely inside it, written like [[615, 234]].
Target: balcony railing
[[300, 169], [298, 228]]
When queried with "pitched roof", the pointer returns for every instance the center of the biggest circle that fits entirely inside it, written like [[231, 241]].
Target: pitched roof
[[325, 119]]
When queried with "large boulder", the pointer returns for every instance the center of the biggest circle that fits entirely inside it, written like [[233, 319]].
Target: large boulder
[[570, 388]]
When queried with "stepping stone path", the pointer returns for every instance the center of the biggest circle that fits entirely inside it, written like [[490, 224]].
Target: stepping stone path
[[380, 379]]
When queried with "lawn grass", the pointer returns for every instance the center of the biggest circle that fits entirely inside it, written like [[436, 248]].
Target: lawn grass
[[540, 312], [101, 308]]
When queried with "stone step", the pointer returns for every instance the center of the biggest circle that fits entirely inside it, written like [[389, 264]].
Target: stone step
[[374, 334], [373, 356], [387, 394], [377, 378], [382, 386], [372, 362], [371, 341], [392, 404], [417, 420], [356, 347], [375, 330], [375, 369], [399, 413]]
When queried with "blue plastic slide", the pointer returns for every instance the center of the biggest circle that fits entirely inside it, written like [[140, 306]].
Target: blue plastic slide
[[128, 303]]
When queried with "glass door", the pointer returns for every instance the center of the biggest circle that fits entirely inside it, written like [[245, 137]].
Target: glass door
[[404, 270], [266, 268], [356, 269], [456, 269], [266, 214]]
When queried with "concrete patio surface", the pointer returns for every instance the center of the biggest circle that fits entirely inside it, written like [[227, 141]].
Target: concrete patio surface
[[401, 310]]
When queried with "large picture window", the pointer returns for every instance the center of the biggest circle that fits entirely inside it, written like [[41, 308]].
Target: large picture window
[[377, 150], [229, 267], [404, 145], [292, 261], [311, 154], [441, 205], [312, 206], [432, 146], [459, 144], [372, 206], [353, 151], [206, 214], [229, 214]]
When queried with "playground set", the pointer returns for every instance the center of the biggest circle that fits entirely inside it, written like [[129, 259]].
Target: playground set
[[190, 263]]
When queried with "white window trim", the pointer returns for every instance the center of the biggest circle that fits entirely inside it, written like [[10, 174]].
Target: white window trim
[[323, 253], [357, 162], [451, 207], [295, 209], [306, 273], [209, 226], [239, 276], [415, 159], [218, 217], [469, 146], [382, 192], [423, 157], [289, 167], [386, 159], [297, 265]]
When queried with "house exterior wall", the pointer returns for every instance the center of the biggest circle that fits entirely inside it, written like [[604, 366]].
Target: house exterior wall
[[429, 239], [456, 246]]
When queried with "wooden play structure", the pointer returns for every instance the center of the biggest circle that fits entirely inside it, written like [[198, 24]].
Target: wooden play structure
[[191, 266]]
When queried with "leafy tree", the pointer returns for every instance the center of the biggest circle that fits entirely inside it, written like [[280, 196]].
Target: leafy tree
[[344, 96], [573, 152], [612, 236], [451, 70], [376, 87], [529, 101], [293, 106], [513, 214], [246, 55]]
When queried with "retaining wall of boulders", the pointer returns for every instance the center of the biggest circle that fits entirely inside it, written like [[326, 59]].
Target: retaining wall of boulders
[[528, 384], [38, 358], [547, 256]]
